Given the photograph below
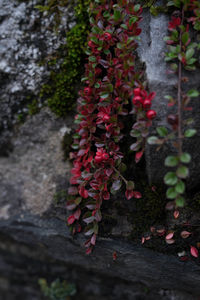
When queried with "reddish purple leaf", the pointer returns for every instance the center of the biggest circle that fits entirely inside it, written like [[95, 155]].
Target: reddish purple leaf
[[194, 252]]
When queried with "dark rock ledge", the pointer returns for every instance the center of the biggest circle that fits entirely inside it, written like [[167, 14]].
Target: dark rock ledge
[[33, 247]]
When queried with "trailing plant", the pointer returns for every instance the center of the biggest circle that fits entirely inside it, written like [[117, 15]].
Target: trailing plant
[[181, 54], [111, 82]]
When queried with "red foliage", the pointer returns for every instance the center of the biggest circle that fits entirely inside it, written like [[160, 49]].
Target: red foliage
[[110, 81]]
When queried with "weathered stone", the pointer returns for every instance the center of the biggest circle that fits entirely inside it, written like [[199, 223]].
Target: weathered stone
[[30, 175], [137, 273], [151, 51], [26, 40]]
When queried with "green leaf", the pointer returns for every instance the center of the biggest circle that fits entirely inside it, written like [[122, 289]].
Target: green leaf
[[119, 45], [180, 187], [124, 26], [190, 133], [153, 140], [97, 85], [185, 38], [170, 178], [122, 168], [193, 93], [191, 61], [185, 158], [182, 172], [189, 53], [104, 96], [135, 133], [130, 185], [106, 14], [162, 131], [180, 201], [75, 146], [137, 7], [171, 193], [171, 161], [133, 20], [117, 15]]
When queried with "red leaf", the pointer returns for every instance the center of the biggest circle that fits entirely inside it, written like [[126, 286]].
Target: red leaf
[[184, 258], [138, 156], [170, 241], [185, 234], [170, 205], [129, 194], [87, 243], [153, 188], [109, 172], [137, 195], [77, 214], [152, 229], [194, 252], [93, 239], [169, 236], [88, 251], [161, 232], [83, 192], [71, 219], [176, 214], [106, 195], [114, 255]]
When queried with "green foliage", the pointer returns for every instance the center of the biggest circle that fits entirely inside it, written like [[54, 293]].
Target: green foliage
[[60, 197], [57, 290], [154, 9], [53, 7], [33, 107], [61, 88]]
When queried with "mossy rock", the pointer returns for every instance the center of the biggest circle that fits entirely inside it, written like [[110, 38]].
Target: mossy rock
[[62, 88]]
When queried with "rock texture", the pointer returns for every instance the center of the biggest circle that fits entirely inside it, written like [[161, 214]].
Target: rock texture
[[29, 177], [33, 247], [152, 52], [26, 40]]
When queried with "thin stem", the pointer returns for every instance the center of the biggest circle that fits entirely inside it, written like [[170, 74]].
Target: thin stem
[[122, 177], [180, 142]]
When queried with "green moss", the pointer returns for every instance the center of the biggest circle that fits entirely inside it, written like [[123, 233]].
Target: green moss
[[33, 107], [61, 90], [60, 197]]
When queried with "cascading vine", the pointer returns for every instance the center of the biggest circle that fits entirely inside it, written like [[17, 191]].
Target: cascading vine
[[182, 56], [111, 82]]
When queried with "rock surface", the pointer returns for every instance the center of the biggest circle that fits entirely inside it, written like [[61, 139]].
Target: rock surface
[[33, 247], [30, 175], [26, 40]]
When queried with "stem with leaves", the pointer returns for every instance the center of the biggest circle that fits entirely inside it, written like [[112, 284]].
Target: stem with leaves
[[181, 52]]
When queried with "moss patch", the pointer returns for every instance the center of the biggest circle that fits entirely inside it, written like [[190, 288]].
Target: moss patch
[[61, 90]]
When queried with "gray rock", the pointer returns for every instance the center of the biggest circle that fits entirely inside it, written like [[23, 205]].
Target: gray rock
[[30, 175], [26, 40]]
